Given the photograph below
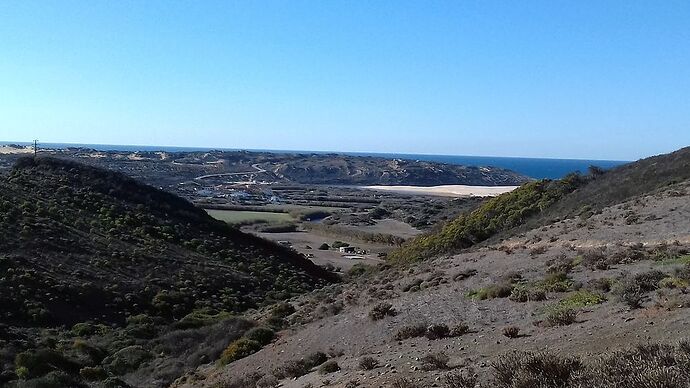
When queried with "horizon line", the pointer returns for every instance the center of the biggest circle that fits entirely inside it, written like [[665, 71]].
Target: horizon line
[[269, 150]]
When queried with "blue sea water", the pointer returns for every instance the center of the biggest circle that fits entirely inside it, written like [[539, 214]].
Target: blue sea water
[[533, 167]]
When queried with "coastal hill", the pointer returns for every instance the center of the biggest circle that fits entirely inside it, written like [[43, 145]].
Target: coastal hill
[[539, 203], [90, 248], [566, 283], [355, 170], [168, 169]]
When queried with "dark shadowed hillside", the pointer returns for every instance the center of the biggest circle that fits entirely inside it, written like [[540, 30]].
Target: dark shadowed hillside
[[86, 248], [97, 244]]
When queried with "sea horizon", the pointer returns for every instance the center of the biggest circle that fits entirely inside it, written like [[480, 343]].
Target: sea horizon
[[537, 168]]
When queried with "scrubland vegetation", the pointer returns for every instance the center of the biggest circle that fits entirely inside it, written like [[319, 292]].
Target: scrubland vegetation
[[123, 266], [523, 271]]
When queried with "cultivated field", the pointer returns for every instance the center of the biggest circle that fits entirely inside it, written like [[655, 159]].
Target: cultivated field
[[242, 216]]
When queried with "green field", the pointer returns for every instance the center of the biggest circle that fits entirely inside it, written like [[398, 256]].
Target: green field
[[244, 216]]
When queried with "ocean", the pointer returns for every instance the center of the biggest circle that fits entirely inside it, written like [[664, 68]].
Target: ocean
[[537, 168]]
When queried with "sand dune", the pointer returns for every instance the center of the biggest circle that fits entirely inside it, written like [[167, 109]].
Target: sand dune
[[11, 150], [447, 190]]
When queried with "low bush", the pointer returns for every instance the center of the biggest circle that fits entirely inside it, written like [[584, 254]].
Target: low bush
[[511, 331], [401, 382], [127, 360], [329, 367], [434, 361], [292, 369], [316, 359], [581, 299], [93, 373], [465, 379], [411, 331], [459, 329], [262, 335], [43, 361], [632, 289], [556, 282], [368, 363], [526, 293], [500, 290], [560, 316], [437, 331], [533, 370], [301, 367], [381, 310], [238, 349], [645, 366]]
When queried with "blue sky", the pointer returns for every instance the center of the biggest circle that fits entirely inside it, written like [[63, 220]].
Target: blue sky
[[570, 79]]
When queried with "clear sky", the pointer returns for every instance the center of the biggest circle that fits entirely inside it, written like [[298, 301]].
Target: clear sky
[[571, 79]]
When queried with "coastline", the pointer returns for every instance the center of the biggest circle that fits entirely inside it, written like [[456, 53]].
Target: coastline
[[447, 190]]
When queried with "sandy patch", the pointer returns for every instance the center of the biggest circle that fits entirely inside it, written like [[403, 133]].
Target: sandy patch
[[448, 190], [6, 150]]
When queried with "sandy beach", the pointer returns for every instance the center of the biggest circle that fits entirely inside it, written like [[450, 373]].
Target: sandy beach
[[448, 190], [11, 150]]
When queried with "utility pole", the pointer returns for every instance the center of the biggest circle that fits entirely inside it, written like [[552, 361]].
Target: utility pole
[[35, 148]]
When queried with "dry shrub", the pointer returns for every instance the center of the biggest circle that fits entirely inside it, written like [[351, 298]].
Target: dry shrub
[[381, 310], [534, 370], [368, 363], [511, 331], [435, 361], [412, 331], [402, 382], [463, 379], [437, 331], [645, 366], [459, 329]]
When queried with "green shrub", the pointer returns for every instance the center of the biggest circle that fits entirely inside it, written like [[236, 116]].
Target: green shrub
[[556, 282], [632, 289], [83, 329], [262, 335], [526, 293], [93, 373], [560, 316], [22, 372], [499, 213], [581, 299], [43, 361], [238, 349], [674, 282], [127, 360], [95, 354], [501, 290], [324, 247], [282, 310]]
